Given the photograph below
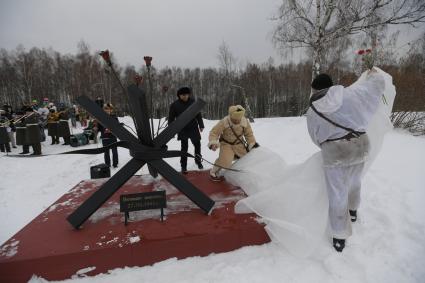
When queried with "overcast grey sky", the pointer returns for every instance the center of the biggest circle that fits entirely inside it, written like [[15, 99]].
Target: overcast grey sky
[[174, 32], [185, 33]]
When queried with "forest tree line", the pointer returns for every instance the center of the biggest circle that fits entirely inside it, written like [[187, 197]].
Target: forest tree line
[[272, 90]]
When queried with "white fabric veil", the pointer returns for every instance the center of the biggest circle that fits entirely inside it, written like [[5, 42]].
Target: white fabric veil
[[292, 199]]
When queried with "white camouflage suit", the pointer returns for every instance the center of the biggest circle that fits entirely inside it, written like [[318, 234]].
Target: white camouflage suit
[[343, 160]]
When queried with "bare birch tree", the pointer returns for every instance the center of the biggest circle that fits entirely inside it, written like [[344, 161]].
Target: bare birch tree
[[226, 59], [316, 24]]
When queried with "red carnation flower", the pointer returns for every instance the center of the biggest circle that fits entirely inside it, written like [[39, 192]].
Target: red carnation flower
[[148, 60], [138, 79], [360, 52], [106, 57]]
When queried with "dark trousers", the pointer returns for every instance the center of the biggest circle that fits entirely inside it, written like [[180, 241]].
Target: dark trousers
[[36, 147], [55, 139], [25, 149], [184, 147], [106, 142], [66, 140], [4, 146]]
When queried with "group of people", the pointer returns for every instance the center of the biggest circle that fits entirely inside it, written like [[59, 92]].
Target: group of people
[[27, 125], [337, 121], [233, 135], [24, 127]]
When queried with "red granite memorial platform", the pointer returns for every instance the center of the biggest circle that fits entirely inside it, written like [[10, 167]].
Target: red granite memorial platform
[[51, 248]]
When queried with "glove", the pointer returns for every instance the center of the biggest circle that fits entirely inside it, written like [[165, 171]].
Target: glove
[[251, 146], [213, 147]]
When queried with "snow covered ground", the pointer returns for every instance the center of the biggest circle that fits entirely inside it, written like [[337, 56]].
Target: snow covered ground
[[388, 242]]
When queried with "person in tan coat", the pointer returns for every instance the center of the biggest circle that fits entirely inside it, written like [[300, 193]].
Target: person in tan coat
[[234, 137], [52, 125]]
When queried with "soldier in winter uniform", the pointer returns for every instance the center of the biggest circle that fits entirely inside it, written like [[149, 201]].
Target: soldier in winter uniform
[[234, 136], [4, 132], [33, 134], [10, 115], [52, 125], [63, 127], [337, 120], [191, 131], [73, 115], [43, 113], [21, 129], [10, 125], [28, 131]]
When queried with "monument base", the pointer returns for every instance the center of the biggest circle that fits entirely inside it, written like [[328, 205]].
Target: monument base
[[51, 248]]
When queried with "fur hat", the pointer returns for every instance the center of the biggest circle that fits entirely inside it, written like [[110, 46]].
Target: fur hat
[[236, 112], [322, 81], [184, 90], [108, 106]]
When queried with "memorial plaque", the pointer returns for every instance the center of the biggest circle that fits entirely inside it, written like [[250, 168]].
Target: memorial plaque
[[143, 201]]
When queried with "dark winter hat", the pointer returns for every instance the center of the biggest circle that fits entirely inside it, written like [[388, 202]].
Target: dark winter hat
[[184, 90], [322, 81]]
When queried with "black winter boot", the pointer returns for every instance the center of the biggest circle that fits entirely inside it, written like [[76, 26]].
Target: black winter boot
[[25, 149], [200, 166], [353, 215], [339, 244]]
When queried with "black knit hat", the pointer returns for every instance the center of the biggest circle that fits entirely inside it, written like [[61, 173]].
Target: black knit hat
[[322, 81], [184, 90]]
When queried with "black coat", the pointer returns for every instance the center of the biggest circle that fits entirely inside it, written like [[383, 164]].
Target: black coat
[[107, 134], [191, 130]]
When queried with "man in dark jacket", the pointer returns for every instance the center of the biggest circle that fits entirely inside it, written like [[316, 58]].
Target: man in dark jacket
[[191, 131], [108, 138], [99, 101]]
